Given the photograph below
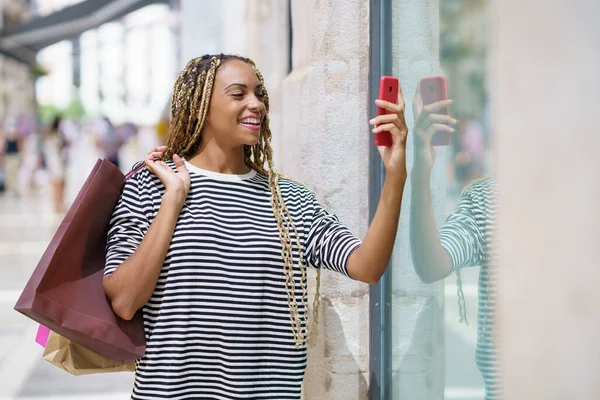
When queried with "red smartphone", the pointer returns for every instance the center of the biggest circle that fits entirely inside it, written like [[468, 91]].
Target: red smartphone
[[433, 89], [388, 91]]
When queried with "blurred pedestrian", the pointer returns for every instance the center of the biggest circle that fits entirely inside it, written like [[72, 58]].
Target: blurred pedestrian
[[13, 145], [55, 151], [108, 140]]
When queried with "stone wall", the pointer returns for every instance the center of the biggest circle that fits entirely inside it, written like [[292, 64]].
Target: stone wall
[[325, 145]]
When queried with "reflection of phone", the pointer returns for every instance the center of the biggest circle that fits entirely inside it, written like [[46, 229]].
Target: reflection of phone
[[388, 91], [433, 89]]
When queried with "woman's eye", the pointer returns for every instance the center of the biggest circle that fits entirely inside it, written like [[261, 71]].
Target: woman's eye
[[237, 94], [260, 95]]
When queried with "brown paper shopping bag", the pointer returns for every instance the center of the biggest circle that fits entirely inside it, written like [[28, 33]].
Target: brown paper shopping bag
[[78, 360]]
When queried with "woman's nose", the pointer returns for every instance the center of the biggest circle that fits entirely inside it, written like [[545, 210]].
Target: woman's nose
[[256, 104]]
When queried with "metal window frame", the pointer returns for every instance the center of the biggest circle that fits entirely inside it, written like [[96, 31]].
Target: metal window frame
[[380, 307], [290, 36]]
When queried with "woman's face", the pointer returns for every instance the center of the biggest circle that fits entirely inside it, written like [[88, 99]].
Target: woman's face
[[236, 110]]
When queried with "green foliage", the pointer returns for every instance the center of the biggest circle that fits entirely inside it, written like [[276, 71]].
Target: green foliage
[[74, 110]]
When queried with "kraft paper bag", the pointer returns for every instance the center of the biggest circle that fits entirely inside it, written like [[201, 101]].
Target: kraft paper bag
[[78, 360]]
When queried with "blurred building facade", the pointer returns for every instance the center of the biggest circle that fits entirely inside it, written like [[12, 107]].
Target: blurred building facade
[[123, 69], [17, 79]]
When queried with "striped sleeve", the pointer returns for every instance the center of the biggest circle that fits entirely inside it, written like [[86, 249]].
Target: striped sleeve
[[128, 226], [329, 243], [462, 237]]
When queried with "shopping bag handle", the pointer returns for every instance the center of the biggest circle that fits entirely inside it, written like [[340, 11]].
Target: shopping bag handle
[[135, 170]]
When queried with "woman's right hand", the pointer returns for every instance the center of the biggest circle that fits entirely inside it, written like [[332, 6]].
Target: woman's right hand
[[177, 184], [428, 121]]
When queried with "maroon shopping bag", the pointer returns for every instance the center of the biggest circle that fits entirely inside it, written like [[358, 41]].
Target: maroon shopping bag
[[65, 291]]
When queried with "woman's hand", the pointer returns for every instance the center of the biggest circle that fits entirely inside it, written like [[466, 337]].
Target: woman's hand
[[177, 184], [428, 121], [393, 157]]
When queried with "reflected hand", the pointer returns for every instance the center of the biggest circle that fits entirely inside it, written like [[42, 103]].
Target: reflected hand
[[428, 121], [177, 184]]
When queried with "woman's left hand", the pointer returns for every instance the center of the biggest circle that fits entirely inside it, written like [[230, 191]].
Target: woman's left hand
[[394, 157]]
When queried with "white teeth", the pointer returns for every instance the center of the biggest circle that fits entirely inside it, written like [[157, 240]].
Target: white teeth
[[253, 121]]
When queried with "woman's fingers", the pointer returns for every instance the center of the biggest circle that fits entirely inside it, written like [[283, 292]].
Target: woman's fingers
[[384, 119], [443, 118], [438, 106], [384, 128], [160, 149], [417, 107], [393, 130], [391, 107], [180, 165], [426, 120], [433, 128]]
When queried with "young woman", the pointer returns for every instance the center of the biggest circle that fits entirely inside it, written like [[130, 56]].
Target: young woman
[[212, 243]]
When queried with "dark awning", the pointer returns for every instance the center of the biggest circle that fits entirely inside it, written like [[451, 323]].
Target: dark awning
[[25, 40]]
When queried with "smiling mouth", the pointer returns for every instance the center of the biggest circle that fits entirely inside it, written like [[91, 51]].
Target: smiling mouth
[[251, 123]]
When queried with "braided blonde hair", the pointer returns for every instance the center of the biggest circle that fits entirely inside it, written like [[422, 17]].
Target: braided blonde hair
[[189, 107]]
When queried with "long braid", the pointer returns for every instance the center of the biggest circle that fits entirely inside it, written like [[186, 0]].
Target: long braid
[[191, 101], [283, 216], [184, 106], [204, 104], [462, 303]]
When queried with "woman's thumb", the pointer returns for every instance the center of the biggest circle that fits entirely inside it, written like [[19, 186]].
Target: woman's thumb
[[179, 163]]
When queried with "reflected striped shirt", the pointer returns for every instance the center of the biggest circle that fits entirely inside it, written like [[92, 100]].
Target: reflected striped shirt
[[218, 323], [467, 237]]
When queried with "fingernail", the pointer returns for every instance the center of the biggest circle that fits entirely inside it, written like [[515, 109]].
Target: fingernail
[[372, 121]]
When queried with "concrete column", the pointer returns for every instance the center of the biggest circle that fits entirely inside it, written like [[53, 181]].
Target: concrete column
[[201, 22], [417, 309], [266, 41], [257, 29], [545, 86], [325, 145]]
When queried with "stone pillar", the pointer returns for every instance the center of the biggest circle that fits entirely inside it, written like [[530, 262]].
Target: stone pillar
[[417, 308], [201, 22], [325, 144], [16, 89], [545, 86], [266, 41], [257, 29]]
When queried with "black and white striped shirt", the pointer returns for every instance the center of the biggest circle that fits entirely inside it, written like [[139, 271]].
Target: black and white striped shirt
[[218, 323], [467, 236]]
